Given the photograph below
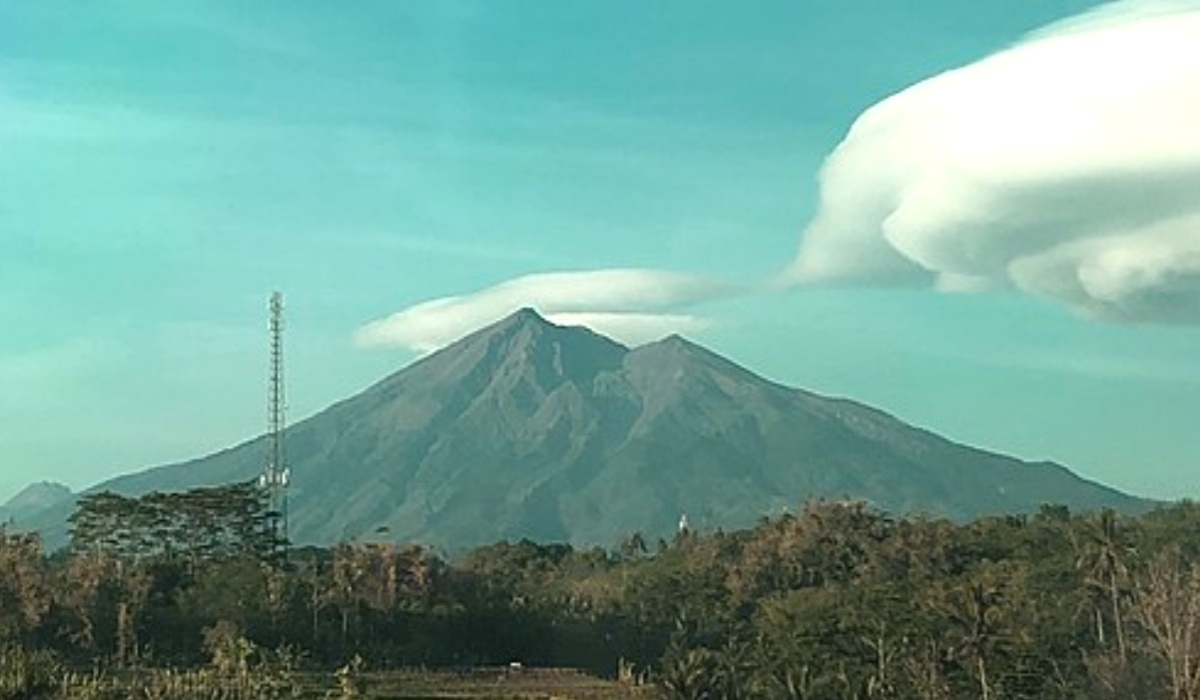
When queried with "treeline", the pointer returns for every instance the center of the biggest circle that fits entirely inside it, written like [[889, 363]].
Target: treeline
[[837, 601], [200, 524]]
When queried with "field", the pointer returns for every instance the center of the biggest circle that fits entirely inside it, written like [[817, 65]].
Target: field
[[499, 683], [466, 684]]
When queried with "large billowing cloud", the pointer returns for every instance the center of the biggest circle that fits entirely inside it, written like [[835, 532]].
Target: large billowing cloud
[[1066, 166], [632, 305]]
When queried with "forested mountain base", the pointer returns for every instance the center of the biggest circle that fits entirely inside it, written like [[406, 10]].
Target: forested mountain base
[[835, 602]]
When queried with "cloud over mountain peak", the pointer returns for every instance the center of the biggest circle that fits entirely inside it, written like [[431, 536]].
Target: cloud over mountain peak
[[631, 304]]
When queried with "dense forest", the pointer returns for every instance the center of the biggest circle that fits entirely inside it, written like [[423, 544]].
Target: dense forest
[[836, 601]]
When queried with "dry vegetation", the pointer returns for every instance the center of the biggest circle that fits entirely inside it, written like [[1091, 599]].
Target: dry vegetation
[[838, 602]]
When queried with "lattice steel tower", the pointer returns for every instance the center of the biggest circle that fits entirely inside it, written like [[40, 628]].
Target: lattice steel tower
[[276, 475]]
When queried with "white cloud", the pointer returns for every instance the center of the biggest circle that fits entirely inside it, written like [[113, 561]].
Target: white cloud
[[1066, 166], [632, 305]]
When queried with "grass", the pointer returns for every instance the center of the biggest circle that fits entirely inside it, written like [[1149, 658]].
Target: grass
[[498, 683], [467, 684], [243, 672]]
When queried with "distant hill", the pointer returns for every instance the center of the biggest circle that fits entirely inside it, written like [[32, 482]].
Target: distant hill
[[528, 429], [32, 500]]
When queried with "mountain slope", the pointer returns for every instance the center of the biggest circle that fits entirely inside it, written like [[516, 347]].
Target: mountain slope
[[527, 429], [32, 500]]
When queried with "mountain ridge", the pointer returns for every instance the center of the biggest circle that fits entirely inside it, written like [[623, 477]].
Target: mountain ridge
[[529, 429]]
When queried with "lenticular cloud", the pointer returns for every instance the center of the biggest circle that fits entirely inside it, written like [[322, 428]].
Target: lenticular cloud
[[633, 305], [1067, 166]]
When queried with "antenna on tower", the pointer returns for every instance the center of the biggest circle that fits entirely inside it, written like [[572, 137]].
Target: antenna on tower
[[276, 475]]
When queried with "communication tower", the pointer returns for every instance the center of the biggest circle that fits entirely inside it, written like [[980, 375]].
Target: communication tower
[[276, 475]]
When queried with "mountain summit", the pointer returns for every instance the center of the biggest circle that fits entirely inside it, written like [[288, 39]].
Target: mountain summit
[[529, 429]]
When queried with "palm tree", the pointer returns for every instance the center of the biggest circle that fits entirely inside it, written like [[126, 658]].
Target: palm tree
[[975, 615], [1104, 555]]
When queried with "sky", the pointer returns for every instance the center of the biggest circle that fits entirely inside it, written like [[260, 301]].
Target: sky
[[982, 218]]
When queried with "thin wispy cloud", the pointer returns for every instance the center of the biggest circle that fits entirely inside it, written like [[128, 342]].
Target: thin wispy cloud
[[632, 305], [1067, 166]]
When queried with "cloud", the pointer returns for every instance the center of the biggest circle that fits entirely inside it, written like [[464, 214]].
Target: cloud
[[1067, 166], [632, 305]]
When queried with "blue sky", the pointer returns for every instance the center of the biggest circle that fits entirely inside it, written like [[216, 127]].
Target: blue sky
[[165, 166]]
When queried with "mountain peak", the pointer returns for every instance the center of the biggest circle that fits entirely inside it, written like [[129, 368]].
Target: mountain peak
[[33, 499], [528, 340], [526, 328], [40, 492], [522, 343], [523, 326], [524, 316], [675, 349]]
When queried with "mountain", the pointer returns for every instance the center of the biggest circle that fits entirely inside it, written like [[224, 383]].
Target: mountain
[[528, 429], [32, 500]]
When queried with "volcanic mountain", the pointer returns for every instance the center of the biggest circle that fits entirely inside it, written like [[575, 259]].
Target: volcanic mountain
[[528, 429]]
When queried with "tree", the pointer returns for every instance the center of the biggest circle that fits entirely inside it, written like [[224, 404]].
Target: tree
[[1168, 609], [24, 589], [1103, 560], [201, 524], [135, 589], [81, 589]]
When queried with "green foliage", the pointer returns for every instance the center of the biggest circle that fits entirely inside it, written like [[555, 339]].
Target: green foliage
[[201, 524]]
